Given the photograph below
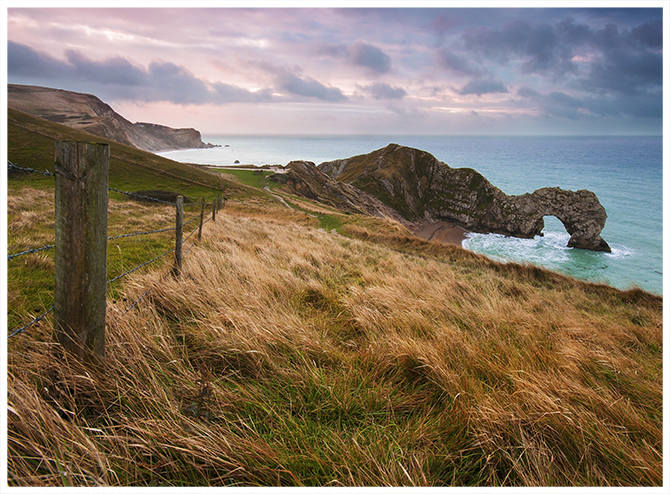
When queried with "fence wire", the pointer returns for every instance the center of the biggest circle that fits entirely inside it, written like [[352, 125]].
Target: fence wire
[[190, 221], [37, 319], [141, 196], [47, 247], [162, 277], [25, 169], [29, 251], [141, 233], [140, 266], [143, 295]]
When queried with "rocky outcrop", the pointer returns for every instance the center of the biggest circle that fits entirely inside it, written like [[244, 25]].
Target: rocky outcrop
[[580, 212], [88, 113], [418, 186], [303, 178]]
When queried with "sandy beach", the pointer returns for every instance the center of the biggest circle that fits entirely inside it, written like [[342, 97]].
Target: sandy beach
[[440, 231]]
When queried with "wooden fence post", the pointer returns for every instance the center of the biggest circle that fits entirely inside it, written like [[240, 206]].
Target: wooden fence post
[[178, 236], [202, 217], [80, 264], [215, 204]]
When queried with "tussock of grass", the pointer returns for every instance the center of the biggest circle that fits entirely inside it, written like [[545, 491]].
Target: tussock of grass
[[286, 355]]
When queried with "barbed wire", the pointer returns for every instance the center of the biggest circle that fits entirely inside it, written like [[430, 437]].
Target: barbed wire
[[17, 167], [29, 251], [39, 318], [140, 266], [190, 221], [141, 233], [141, 196], [161, 278], [143, 295], [47, 247]]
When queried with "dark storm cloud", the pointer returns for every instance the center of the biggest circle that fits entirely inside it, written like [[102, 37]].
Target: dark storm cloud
[[538, 46], [612, 57], [483, 86], [382, 90], [649, 34], [117, 78], [360, 54]]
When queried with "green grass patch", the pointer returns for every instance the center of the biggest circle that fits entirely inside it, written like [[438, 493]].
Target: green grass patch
[[330, 222], [252, 178]]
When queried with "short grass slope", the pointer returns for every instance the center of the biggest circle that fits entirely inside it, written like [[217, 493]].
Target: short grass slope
[[288, 355]]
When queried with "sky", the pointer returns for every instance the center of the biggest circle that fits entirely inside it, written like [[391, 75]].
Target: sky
[[388, 70]]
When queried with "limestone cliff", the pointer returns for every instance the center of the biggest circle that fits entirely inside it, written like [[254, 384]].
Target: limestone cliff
[[88, 113], [418, 186], [303, 178]]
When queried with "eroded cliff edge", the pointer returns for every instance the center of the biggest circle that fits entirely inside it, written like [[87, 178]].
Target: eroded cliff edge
[[88, 113], [418, 186]]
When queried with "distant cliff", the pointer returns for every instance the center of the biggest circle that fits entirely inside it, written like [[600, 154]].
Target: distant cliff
[[88, 113], [420, 187]]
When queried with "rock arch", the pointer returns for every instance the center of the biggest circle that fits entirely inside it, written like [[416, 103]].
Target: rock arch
[[580, 212]]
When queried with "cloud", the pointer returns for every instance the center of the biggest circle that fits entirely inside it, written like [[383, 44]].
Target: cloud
[[452, 62], [116, 70], [293, 83], [359, 54], [227, 93], [371, 57], [527, 92], [537, 48], [118, 78], [609, 58], [24, 61], [562, 105], [649, 34], [625, 73], [330, 49], [555, 103], [307, 87], [483, 86], [382, 90]]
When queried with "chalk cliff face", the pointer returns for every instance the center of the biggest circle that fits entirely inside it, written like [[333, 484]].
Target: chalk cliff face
[[418, 186], [88, 113]]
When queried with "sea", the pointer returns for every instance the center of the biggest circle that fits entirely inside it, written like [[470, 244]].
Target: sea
[[626, 173]]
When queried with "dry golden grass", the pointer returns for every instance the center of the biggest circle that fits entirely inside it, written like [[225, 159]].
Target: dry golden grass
[[285, 355]]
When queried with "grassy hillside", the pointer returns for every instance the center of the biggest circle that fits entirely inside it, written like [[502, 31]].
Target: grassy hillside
[[288, 355], [31, 144]]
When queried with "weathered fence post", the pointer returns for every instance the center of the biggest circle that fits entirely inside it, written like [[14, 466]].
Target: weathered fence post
[[215, 204], [202, 217], [80, 264], [178, 236]]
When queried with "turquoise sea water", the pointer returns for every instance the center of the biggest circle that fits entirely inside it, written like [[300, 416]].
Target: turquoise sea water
[[625, 172]]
